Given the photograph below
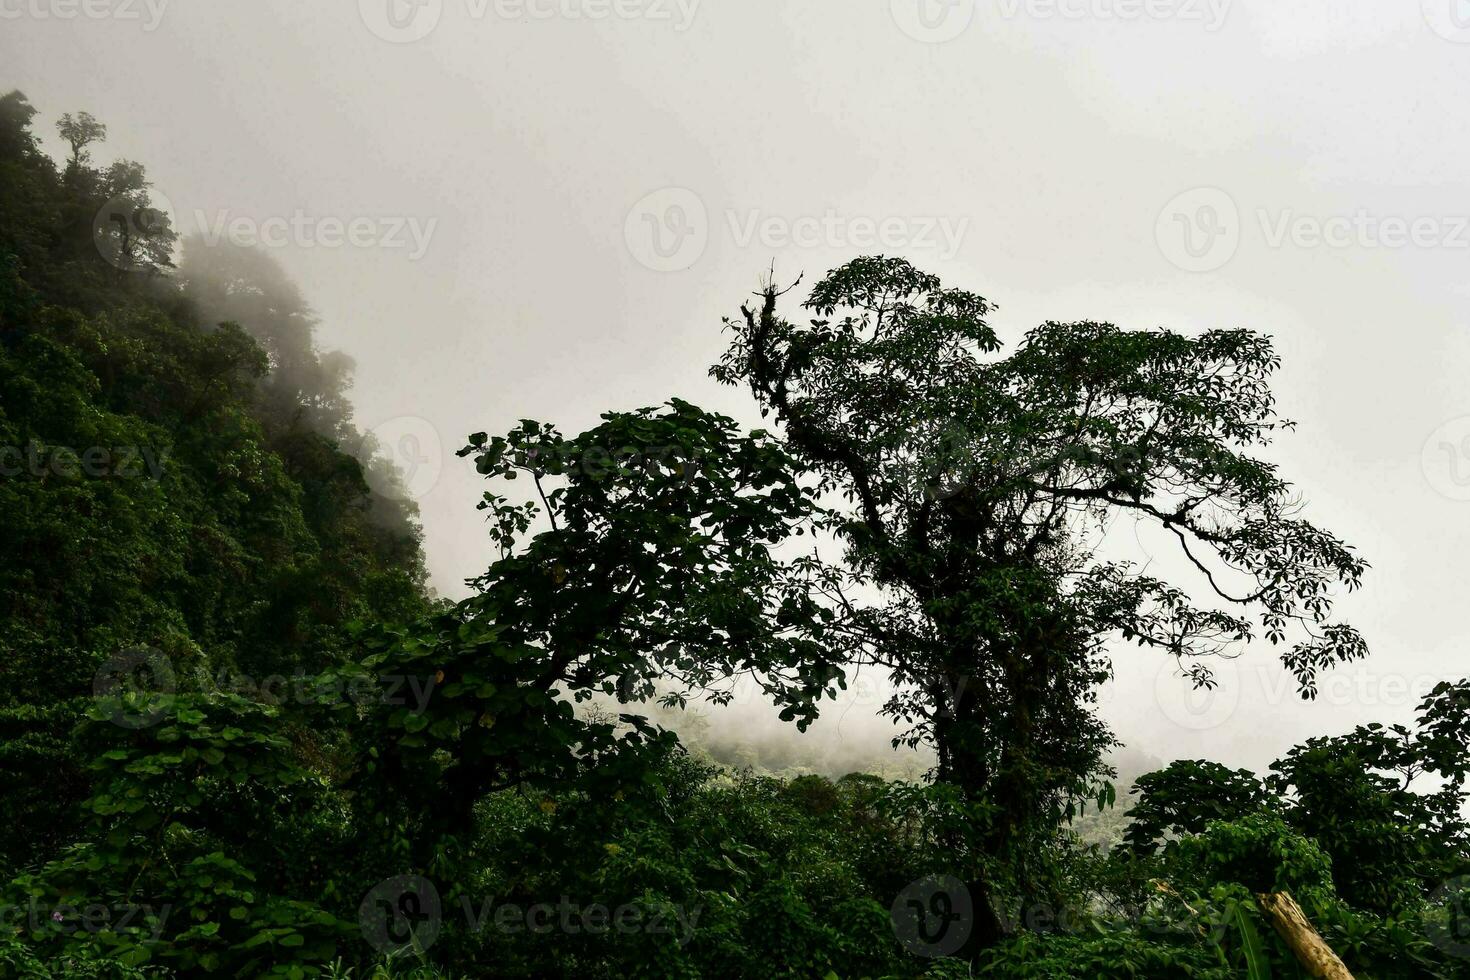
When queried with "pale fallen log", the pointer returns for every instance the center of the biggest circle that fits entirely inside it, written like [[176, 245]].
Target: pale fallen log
[[1295, 929]]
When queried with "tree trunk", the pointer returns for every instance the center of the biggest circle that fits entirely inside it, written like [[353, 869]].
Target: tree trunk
[[1315, 956], [988, 930]]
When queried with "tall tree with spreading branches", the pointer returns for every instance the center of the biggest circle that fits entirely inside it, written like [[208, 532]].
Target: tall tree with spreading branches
[[964, 485]]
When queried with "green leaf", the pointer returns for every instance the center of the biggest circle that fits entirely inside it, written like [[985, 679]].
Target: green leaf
[[1257, 966]]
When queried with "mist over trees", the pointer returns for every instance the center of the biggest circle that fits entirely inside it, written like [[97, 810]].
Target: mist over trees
[[304, 392], [240, 737], [160, 489]]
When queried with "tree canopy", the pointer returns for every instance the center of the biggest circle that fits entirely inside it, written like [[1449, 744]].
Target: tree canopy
[[965, 481]]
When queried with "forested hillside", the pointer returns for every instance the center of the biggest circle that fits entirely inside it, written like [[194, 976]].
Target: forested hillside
[[240, 737], [178, 471]]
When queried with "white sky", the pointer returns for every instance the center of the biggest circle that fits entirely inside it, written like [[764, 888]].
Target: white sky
[[1053, 135]]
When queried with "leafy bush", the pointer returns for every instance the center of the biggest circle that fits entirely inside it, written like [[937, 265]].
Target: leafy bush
[[1258, 851]]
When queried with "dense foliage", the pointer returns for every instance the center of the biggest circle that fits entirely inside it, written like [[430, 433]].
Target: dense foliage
[[238, 737], [156, 495]]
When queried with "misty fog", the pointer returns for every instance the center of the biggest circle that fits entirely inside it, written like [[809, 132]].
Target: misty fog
[[529, 213]]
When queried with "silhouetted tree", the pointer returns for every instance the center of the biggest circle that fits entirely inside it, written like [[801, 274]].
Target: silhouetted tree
[[964, 484], [80, 131]]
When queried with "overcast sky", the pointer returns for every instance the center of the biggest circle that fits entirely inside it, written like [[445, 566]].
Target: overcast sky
[[546, 206]]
